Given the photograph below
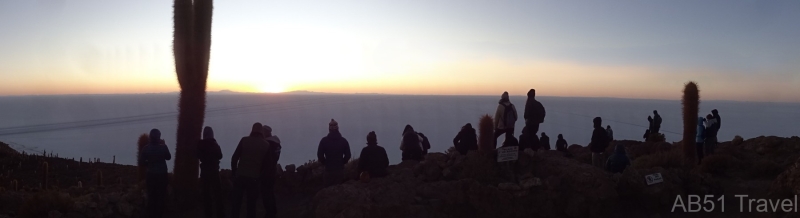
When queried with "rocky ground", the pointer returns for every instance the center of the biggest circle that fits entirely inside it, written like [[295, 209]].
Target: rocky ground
[[447, 185]]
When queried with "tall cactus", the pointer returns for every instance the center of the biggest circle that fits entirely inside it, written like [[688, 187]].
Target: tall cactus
[[486, 134], [191, 47], [45, 171], [691, 106]]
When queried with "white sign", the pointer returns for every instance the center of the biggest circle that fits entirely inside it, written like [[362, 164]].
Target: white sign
[[507, 154], [654, 178]]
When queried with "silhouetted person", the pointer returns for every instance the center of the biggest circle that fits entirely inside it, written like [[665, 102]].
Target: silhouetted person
[[599, 142], [649, 126], [411, 144], [716, 116], [700, 139], [334, 153], [426, 145], [155, 156], [268, 172], [209, 154], [510, 141], [534, 112], [656, 123], [561, 143], [646, 135], [466, 140], [710, 142], [525, 141], [618, 161], [246, 165], [544, 141], [373, 158], [610, 133], [504, 117]]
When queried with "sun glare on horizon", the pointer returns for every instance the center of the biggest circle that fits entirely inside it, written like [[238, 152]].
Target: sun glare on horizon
[[272, 88]]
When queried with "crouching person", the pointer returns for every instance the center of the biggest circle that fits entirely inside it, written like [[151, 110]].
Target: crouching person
[[373, 159]]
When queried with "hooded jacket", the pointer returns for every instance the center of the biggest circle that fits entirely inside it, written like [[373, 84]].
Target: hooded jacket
[[534, 110], [599, 137], [155, 154], [208, 151], [618, 161], [333, 151], [466, 140], [248, 158], [499, 115], [701, 128]]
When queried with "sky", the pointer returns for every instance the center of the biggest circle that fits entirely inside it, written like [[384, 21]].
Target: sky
[[734, 50]]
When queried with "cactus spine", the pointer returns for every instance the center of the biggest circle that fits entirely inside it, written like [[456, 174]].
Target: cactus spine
[[691, 106]]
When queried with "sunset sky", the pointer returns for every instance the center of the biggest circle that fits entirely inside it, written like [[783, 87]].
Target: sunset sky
[[735, 50]]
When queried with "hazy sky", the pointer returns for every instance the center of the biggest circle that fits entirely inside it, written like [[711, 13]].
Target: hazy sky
[[735, 50]]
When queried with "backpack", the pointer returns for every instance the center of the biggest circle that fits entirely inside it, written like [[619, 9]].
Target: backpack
[[426, 145], [509, 117]]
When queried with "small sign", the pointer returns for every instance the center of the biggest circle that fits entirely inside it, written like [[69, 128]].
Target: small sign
[[654, 178], [507, 154]]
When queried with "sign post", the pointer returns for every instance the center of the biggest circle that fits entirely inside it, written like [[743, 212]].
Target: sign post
[[507, 154]]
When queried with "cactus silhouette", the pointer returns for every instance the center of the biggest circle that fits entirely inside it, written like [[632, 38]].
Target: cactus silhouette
[[144, 139], [486, 134], [99, 178], [191, 47], [45, 171], [691, 105]]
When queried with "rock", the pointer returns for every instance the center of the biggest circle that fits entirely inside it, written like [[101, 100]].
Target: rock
[[428, 171], [54, 214], [509, 187], [737, 140], [531, 182], [290, 168]]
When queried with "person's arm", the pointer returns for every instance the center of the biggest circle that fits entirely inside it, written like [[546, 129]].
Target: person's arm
[[235, 157], [498, 114], [383, 159], [321, 151], [217, 152], [167, 155], [544, 112], [346, 150], [456, 139], [514, 107]]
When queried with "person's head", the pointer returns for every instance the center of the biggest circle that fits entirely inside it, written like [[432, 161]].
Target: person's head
[[372, 139], [256, 130], [655, 112], [266, 130], [504, 96], [608, 127], [560, 136], [155, 136], [467, 126], [532, 93], [619, 149], [524, 130], [333, 126], [407, 129], [598, 122], [543, 135], [715, 112], [208, 133], [700, 120], [709, 117]]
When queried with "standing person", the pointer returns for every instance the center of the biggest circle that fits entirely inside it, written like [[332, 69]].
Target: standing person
[[466, 140], [599, 142], [656, 123], [333, 153], [373, 158], [155, 156], [209, 154], [534, 113], [710, 142], [411, 144], [716, 116], [618, 161], [545, 141], [610, 133], [649, 127], [268, 172], [246, 166], [701, 137], [504, 118]]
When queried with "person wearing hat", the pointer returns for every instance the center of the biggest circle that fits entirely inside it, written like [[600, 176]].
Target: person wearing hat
[[373, 158], [505, 117], [333, 152], [268, 172], [246, 166]]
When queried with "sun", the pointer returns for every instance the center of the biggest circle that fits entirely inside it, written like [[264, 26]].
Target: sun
[[272, 88]]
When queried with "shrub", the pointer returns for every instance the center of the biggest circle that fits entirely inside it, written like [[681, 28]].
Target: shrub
[[40, 204]]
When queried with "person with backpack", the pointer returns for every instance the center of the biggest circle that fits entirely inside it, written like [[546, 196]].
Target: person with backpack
[[618, 161], [504, 118], [269, 172], [373, 158], [599, 142], [466, 140], [155, 156], [333, 153], [411, 145], [426, 145], [209, 154], [700, 139], [710, 142], [656, 123], [610, 133], [534, 113], [247, 164], [544, 141]]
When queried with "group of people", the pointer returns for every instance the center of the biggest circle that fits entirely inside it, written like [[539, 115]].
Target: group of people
[[654, 127], [254, 162], [707, 129]]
